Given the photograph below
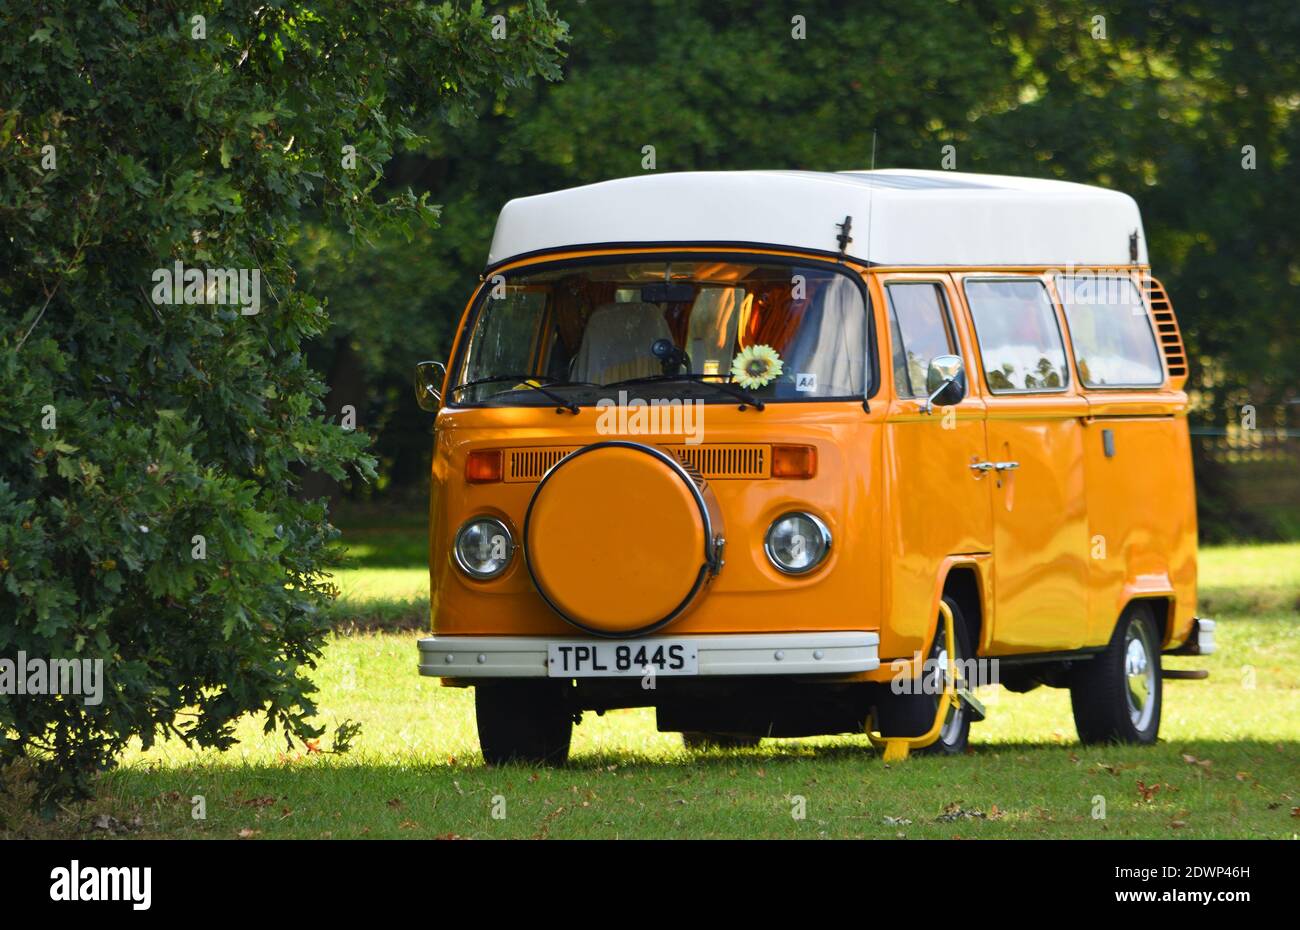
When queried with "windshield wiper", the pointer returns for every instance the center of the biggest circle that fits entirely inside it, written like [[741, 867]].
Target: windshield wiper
[[726, 386], [534, 383]]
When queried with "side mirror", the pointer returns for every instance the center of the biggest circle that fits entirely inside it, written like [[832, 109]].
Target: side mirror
[[946, 381], [428, 385]]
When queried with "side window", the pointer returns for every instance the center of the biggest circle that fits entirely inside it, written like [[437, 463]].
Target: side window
[[1114, 345], [920, 329], [1019, 338]]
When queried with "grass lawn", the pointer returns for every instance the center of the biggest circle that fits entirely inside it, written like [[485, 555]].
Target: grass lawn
[[1228, 764]]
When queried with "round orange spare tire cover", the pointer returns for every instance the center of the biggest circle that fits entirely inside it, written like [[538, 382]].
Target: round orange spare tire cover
[[617, 538]]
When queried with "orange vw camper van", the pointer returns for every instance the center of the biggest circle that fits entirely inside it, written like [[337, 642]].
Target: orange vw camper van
[[794, 453]]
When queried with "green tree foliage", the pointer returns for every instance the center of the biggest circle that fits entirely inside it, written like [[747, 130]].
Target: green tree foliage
[[149, 507], [1157, 100]]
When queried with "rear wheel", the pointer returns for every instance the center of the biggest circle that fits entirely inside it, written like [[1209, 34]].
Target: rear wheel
[[523, 721], [1116, 696], [700, 740], [913, 714]]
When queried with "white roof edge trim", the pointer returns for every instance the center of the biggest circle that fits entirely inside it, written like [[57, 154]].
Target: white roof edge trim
[[924, 218]]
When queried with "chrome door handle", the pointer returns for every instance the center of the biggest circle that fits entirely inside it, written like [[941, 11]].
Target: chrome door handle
[[983, 466], [1005, 466]]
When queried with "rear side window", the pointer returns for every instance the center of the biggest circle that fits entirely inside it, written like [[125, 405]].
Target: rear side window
[[1018, 335], [1114, 345], [921, 329]]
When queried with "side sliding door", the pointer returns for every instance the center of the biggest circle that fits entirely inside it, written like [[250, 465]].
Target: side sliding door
[[1034, 433]]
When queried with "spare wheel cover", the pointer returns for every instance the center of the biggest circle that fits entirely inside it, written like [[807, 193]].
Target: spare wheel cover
[[620, 540]]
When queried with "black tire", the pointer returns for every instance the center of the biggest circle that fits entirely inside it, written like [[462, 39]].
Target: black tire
[[913, 714], [698, 741], [523, 721], [1110, 705]]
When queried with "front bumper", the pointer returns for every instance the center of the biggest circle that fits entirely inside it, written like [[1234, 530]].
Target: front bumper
[[831, 653]]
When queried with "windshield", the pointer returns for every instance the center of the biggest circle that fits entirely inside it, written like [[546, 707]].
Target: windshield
[[778, 332]]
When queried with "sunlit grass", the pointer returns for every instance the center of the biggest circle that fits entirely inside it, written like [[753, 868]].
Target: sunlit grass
[[1246, 579], [1228, 763], [362, 584]]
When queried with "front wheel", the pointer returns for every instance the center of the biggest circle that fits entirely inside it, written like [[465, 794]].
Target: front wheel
[[523, 721], [1116, 696]]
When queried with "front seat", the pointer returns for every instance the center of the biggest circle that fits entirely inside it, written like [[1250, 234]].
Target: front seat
[[616, 343]]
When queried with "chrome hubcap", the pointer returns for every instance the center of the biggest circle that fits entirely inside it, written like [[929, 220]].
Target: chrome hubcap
[[1140, 675], [952, 720]]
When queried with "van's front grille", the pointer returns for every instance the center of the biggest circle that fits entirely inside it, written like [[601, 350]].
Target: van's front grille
[[720, 462], [716, 462], [531, 464]]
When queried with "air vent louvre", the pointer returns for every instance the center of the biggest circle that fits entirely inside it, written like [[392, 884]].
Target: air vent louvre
[[723, 462], [717, 462], [531, 464], [1171, 340]]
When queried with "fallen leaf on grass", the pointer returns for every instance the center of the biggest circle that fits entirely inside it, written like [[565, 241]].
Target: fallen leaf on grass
[[1192, 760], [1178, 824], [394, 803], [111, 824], [897, 822], [954, 812], [1147, 791], [248, 833]]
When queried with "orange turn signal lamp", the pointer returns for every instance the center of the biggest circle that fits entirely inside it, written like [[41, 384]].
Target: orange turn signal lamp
[[483, 466], [794, 461]]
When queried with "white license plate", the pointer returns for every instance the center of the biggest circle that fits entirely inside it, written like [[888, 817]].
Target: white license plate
[[630, 659]]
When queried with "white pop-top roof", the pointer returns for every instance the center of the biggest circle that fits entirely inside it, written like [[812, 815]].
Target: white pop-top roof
[[900, 217]]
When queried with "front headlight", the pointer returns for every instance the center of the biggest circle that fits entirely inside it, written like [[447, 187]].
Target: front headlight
[[483, 547], [797, 542]]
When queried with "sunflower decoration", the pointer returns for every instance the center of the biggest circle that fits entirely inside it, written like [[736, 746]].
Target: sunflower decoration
[[756, 367]]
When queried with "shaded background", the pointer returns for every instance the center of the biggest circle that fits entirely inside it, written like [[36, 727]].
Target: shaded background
[[1163, 107]]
